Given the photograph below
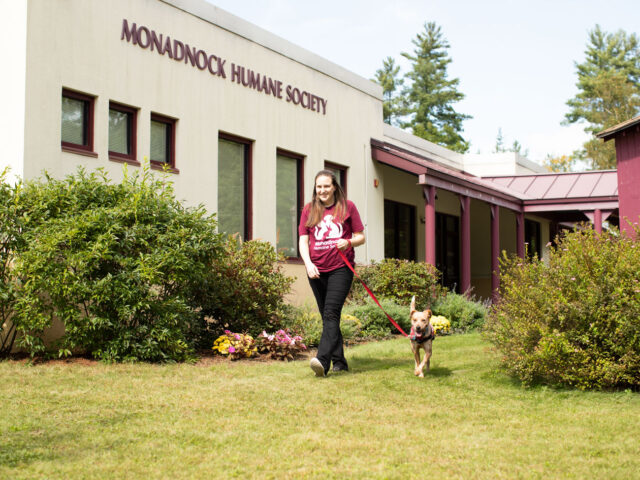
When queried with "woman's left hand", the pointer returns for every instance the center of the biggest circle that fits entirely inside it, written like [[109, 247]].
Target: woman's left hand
[[343, 244]]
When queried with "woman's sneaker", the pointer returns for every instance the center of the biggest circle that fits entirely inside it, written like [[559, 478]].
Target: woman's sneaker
[[317, 367]]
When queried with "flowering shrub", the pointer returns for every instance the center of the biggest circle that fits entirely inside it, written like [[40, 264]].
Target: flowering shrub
[[235, 345], [441, 325], [281, 345], [573, 321]]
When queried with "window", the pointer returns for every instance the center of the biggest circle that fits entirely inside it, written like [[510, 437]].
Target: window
[[532, 238], [77, 122], [122, 132], [163, 141], [399, 230], [340, 172], [288, 202], [448, 250], [234, 180]]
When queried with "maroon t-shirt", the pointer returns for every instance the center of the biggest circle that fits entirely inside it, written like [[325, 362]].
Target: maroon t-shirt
[[324, 236]]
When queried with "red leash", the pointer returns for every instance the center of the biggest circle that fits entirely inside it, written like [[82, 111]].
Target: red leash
[[346, 262]]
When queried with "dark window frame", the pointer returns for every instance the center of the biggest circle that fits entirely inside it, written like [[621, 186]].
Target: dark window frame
[[170, 145], [300, 193], [88, 126], [343, 173], [248, 180], [132, 134], [396, 230]]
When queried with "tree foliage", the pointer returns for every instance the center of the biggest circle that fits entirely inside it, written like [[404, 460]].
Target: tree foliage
[[393, 106], [609, 91], [431, 95], [562, 163]]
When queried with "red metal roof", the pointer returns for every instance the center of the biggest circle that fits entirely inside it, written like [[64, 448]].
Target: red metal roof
[[559, 186]]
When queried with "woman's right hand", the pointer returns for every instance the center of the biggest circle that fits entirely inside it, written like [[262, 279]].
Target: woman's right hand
[[312, 270]]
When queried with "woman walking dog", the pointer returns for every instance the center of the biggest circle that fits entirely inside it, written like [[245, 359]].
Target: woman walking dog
[[329, 222]]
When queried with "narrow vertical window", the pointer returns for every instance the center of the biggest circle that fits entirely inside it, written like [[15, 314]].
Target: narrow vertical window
[[162, 148], [399, 230], [288, 202], [340, 172], [122, 132], [532, 238], [234, 172], [77, 122]]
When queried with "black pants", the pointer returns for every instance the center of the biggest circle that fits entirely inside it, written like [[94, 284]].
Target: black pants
[[331, 290]]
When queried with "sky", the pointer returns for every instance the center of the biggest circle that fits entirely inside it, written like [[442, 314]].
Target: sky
[[515, 59]]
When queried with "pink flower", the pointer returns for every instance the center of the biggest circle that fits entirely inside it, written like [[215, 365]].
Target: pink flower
[[236, 336], [232, 349]]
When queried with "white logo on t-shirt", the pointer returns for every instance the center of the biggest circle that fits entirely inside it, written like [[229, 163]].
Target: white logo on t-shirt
[[327, 229]]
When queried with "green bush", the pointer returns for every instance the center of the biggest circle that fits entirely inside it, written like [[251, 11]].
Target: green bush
[[116, 263], [465, 314], [306, 321], [398, 280], [573, 321], [11, 220], [375, 323], [245, 292]]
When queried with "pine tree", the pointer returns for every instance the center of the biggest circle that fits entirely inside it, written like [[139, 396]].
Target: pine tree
[[431, 94], [393, 106], [609, 91]]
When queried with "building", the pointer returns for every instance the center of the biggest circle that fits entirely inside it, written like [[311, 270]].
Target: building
[[244, 119]]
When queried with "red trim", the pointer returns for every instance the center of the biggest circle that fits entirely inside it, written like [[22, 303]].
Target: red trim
[[86, 149], [465, 244], [132, 133], [495, 250], [171, 122], [248, 180]]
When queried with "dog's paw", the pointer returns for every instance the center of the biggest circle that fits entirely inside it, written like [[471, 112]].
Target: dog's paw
[[421, 375]]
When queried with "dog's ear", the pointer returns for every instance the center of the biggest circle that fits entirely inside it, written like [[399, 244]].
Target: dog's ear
[[428, 313], [413, 306]]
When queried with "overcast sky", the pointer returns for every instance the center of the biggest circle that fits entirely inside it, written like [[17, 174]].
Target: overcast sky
[[514, 58]]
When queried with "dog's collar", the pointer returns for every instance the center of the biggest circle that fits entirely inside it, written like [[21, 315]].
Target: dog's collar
[[422, 338]]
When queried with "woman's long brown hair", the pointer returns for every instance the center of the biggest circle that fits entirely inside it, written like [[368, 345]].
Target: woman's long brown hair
[[316, 208]]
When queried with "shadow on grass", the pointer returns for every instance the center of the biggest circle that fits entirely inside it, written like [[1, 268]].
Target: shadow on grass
[[362, 365]]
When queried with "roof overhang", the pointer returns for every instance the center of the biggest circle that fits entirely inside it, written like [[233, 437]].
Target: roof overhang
[[611, 132]]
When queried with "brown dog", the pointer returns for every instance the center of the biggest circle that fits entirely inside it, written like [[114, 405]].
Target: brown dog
[[421, 337]]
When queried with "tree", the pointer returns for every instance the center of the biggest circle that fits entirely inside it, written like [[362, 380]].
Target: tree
[[393, 105], [431, 94], [609, 91], [515, 148], [499, 148], [563, 163]]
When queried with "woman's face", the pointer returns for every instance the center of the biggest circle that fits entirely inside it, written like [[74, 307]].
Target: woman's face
[[325, 190]]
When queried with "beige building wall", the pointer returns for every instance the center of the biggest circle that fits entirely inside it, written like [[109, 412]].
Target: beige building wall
[[13, 36], [80, 47]]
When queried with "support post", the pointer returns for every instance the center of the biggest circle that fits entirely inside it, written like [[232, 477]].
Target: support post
[[465, 244], [430, 224], [520, 234], [495, 250]]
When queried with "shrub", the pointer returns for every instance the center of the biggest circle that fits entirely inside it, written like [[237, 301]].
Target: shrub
[[11, 220], [307, 322], [245, 292], [397, 280], [575, 321], [375, 323], [281, 345], [116, 263], [235, 345], [465, 314]]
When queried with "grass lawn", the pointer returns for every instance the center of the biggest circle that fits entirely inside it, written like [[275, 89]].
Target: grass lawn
[[252, 419]]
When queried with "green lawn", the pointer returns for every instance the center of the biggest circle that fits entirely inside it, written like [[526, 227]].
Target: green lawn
[[466, 419]]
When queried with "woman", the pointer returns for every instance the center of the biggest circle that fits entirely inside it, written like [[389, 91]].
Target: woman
[[329, 223]]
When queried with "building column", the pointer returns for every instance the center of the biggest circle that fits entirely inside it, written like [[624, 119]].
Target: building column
[[520, 234], [465, 244], [430, 224], [495, 250]]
